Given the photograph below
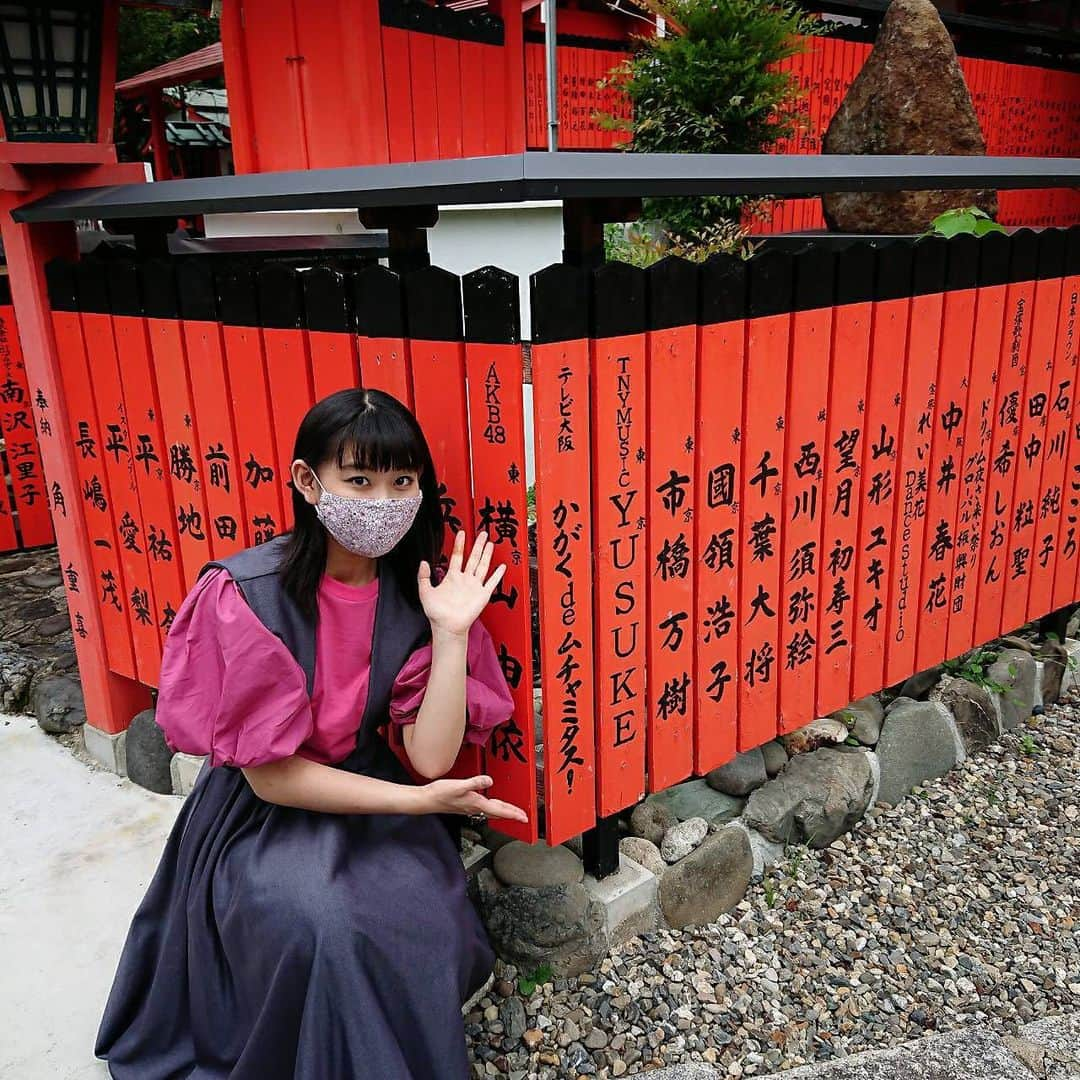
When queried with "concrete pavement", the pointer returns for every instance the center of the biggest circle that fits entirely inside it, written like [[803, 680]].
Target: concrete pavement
[[78, 846]]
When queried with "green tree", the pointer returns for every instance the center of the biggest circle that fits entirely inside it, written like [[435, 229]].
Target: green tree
[[706, 87], [148, 38]]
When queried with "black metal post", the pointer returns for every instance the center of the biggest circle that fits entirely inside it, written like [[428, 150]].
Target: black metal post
[[406, 232]]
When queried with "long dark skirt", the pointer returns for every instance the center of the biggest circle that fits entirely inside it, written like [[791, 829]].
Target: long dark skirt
[[278, 943]]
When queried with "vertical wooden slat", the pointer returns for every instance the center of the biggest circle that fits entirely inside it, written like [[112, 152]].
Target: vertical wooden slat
[[888, 355], [437, 356], [619, 505], [994, 555], [947, 448], [1031, 547], [717, 550], [917, 408], [31, 499], [264, 487], [384, 359], [843, 486], [331, 336], [671, 387], [1059, 407], [1068, 541], [288, 367], [148, 453], [560, 379], [190, 532], [971, 523], [497, 438], [768, 340], [226, 523], [801, 599]]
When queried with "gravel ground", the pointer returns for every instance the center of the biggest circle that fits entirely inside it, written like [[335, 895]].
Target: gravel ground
[[959, 906]]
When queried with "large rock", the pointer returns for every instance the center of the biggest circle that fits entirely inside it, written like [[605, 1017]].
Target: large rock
[[148, 756], [918, 686], [644, 853], [818, 797], [537, 865], [696, 799], [741, 775], [57, 702], [918, 740], [973, 710], [863, 718], [559, 925], [652, 819], [1014, 670], [681, 839], [909, 98], [825, 731], [1055, 661], [712, 879], [775, 756]]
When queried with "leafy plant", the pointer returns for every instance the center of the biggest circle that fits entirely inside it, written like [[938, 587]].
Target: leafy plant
[[975, 668], [1028, 746], [769, 886], [967, 219], [711, 85], [528, 983], [640, 247]]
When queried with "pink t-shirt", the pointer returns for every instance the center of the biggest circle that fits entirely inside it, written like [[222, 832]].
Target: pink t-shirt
[[230, 688]]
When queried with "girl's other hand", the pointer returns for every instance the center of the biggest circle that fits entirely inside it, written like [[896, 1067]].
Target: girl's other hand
[[463, 797], [454, 604]]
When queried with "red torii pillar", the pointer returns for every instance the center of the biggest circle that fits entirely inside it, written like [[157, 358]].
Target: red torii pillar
[[28, 171]]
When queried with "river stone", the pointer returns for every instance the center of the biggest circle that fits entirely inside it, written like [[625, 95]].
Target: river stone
[[57, 702], [558, 925], [148, 756], [918, 686], [1055, 660], [909, 98], [825, 731], [740, 775], [644, 853], [652, 819], [17, 670], [537, 865], [973, 710], [1014, 669], [775, 757], [710, 880], [681, 839], [818, 797], [695, 798], [917, 741], [863, 718]]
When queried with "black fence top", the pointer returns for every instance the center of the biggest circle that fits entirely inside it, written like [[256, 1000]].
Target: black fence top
[[538, 175]]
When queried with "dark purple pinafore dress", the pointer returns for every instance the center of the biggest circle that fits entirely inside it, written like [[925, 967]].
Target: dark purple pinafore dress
[[276, 943]]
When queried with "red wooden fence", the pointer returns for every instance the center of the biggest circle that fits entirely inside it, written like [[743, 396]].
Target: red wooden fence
[[24, 500], [763, 488]]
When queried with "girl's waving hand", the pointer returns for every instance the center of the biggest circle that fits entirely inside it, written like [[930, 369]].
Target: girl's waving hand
[[454, 604]]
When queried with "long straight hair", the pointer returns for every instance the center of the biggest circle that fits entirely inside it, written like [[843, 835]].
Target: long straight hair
[[364, 429]]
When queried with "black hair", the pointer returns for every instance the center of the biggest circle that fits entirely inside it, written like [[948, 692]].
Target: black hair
[[367, 429]]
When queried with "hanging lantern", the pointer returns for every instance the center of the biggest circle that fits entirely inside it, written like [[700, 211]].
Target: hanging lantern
[[50, 70]]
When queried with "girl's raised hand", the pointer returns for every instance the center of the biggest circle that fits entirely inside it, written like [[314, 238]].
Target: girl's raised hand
[[454, 604], [463, 797]]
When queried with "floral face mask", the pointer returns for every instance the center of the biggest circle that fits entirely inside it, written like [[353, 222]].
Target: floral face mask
[[369, 527]]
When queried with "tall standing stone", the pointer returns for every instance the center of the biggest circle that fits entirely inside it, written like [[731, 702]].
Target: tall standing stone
[[909, 98]]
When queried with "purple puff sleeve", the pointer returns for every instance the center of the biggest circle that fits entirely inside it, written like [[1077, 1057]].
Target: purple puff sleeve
[[487, 697], [229, 688]]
